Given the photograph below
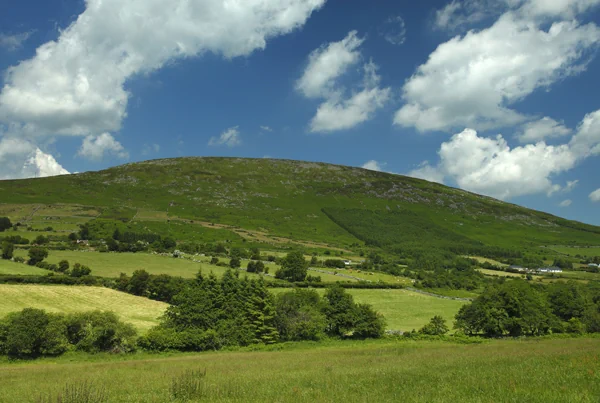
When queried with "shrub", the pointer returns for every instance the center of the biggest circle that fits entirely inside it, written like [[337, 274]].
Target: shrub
[[235, 263], [7, 250], [63, 266], [32, 333], [80, 270], [100, 331], [214, 260], [5, 224], [36, 255], [368, 323], [299, 315], [19, 259], [435, 327], [293, 267]]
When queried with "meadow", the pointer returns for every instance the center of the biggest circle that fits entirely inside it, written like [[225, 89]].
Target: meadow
[[403, 309], [551, 370], [573, 251], [8, 267], [141, 312]]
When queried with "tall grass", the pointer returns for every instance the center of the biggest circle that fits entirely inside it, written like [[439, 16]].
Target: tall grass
[[189, 385], [77, 392]]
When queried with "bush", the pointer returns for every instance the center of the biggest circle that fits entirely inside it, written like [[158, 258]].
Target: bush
[[435, 327], [36, 255], [7, 250], [293, 267], [19, 259], [368, 323], [63, 266], [235, 263], [214, 260], [79, 270], [100, 331], [299, 315], [5, 224], [32, 333]]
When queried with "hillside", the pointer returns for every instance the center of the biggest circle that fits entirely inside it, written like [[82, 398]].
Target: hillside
[[277, 201]]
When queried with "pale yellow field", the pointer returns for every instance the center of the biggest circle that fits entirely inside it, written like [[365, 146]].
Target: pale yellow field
[[141, 312]]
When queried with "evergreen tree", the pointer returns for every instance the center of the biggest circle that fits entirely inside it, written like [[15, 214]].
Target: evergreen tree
[[7, 250]]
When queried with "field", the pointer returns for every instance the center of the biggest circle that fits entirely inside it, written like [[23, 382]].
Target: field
[[405, 310], [573, 251], [488, 272], [8, 267], [555, 370], [140, 312]]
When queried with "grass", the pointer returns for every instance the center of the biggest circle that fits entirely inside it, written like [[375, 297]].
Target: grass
[[499, 273], [403, 309], [572, 251], [9, 267], [140, 312], [544, 371]]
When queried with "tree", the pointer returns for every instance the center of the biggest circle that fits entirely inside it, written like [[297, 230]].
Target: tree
[[80, 270], [41, 240], [299, 315], [33, 333], [139, 282], [37, 255], [63, 266], [72, 237], [255, 253], [214, 260], [368, 323], [339, 309], [293, 267], [5, 224], [235, 263], [435, 327], [7, 250]]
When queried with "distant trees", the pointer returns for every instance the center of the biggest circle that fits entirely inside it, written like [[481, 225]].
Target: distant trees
[[293, 267], [63, 266], [255, 267], [7, 250], [36, 255], [41, 240], [80, 270], [235, 263], [5, 224]]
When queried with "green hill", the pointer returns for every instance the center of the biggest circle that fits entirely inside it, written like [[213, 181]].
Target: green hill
[[280, 201]]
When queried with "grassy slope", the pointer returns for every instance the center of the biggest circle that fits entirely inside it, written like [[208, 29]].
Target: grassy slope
[[384, 371], [404, 310], [8, 267], [140, 312], [286, 198]]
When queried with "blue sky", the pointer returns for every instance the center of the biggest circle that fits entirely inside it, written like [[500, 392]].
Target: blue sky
[[495, 97]]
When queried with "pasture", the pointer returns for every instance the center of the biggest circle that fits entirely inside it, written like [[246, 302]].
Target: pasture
[[9, 267], [589, 251], [141, 312], [551, 370], [403, 309]]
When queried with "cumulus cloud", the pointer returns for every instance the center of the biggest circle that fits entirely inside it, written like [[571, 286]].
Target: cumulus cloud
[[373, 165], [97, 147], [542, 129], [327, 64], [595, 196], [427, 172], [394, 30], [490, 166], [565, 203], [23, 159], [339, 114], [13, 42], [474, 79], [341, 109], [75, 85], [230, 137]]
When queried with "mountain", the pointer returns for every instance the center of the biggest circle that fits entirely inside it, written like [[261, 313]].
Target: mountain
[[305, 202]]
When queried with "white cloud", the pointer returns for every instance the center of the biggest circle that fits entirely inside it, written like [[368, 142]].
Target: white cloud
[[97, 147], [373, 165], [75, 85], [460, 14], [586, 141], [472, 80], [571, 185], [13, 42], [542, 129], [565, 203], [266, 129], [428, 172], [328, 63], [344, 114], [230, 137], [22, 159], [394, 30], [595, 196], [340, 111], [489, 166]]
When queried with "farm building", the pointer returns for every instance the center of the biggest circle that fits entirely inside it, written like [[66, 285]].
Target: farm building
[[550, 270]]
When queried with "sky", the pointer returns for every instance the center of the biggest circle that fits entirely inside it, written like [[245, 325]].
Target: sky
[[497, 97]]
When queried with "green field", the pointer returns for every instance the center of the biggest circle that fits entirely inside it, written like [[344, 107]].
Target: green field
[[572, 251], [8, 267], [544, 371], [404, 310], [141, 312]]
